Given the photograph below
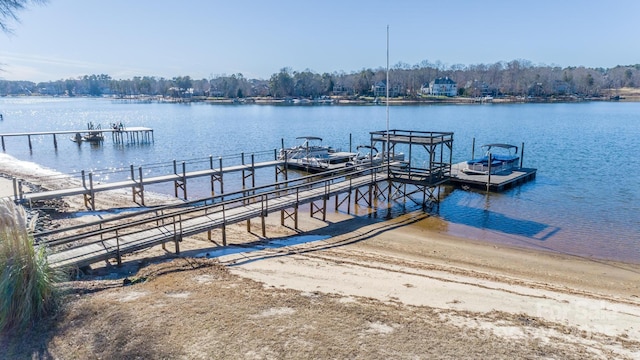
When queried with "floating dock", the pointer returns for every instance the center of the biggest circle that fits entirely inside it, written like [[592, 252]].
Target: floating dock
[[496, 182]]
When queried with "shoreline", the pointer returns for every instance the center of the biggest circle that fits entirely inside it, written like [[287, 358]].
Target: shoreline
[[404, 262], [121, 198]]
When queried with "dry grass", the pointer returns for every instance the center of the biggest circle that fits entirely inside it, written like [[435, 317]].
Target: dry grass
[[27, 290], [190, 308]]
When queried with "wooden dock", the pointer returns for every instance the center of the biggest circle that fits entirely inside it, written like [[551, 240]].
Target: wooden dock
[[111, 238], [497, 182], [89, 189], [119, 135], [102, 240]]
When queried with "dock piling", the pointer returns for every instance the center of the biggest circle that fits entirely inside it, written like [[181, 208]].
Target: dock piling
[[489, 172], [141, 186]]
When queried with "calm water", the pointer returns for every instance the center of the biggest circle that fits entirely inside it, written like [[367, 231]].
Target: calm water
[[584, 201]]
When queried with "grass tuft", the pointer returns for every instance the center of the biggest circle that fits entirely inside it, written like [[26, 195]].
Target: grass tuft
[[27, 282]]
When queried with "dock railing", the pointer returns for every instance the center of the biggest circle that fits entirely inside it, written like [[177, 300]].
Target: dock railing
[[131, 232]]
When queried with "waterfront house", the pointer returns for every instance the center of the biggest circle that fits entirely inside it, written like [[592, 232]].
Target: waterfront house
[[442, 86], [379, 89]]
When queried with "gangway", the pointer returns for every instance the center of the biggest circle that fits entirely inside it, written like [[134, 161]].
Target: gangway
[[111, 238]]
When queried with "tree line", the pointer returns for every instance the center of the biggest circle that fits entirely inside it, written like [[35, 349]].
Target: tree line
[[513, 78]]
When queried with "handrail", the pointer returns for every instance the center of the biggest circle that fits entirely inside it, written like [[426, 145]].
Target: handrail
[[170, 218]]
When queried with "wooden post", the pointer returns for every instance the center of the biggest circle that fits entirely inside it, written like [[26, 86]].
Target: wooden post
[[176, 241], [489, 177], [213, 188], [91, 192], [521, 154], [184, 179], [324, 208], [224, 223], [15, 189], [29, 137], [141, 185], [118, 256], [55, 142], [175, 182], [133, 187], [253, 172], [221, 182], [473, 148], [263, 214], [224, 234], [243, 177], [20, 193]]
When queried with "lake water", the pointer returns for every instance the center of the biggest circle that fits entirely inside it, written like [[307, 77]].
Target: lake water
[[585, 200]]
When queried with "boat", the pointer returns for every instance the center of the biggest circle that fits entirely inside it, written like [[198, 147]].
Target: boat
[[504, 158], [369, 156], [92, 136], [310, 147], [312, 156]]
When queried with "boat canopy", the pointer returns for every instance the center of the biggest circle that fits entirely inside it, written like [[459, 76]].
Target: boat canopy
[[309, 138], [366, 147], [498, 145]]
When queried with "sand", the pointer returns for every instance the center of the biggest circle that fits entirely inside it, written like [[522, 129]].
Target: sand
[[513, 295]]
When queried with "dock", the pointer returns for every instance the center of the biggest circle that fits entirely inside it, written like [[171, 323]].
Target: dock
[[496, 182], [106, 239], [88, 243], [119, 135]]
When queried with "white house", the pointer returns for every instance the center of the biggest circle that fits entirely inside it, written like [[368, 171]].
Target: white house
[[441, 87]]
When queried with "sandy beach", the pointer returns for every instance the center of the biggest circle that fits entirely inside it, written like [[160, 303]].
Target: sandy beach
[[387, 289]]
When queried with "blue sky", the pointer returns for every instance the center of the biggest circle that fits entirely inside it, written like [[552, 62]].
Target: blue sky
[[204, 38]]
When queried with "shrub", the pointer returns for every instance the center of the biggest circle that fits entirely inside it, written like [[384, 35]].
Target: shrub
[[27, 282]]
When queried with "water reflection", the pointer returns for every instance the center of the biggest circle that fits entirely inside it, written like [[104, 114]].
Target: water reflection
[[491, 220]]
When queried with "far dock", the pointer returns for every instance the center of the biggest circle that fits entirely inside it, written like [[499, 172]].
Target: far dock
[[118, 135]]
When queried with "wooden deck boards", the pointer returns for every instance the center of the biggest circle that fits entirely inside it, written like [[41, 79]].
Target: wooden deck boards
[[97, 250]]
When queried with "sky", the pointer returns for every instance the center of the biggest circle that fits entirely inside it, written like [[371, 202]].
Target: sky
[[202, 39]]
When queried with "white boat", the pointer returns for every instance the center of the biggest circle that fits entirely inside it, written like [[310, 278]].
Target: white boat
[[310, 147], [369, 156], [312, 156], [504, 158]]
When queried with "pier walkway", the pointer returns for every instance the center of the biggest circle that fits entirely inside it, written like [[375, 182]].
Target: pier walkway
[[88, 189], [118, 135], [111, 238]]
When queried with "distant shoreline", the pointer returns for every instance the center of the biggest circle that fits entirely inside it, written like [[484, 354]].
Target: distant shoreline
[[392, 101], [366, 101]]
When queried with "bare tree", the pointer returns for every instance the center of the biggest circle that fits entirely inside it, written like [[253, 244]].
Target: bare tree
[[9, 11]]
